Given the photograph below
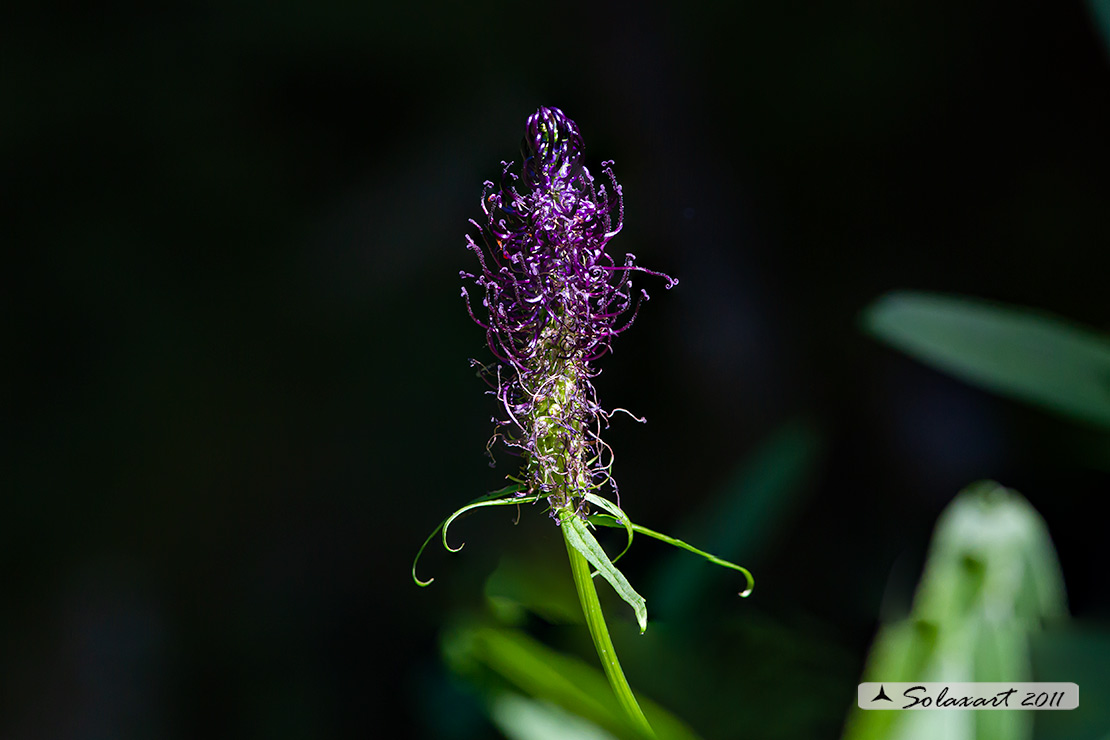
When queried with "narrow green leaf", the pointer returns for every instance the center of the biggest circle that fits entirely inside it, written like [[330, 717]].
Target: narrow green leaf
[[582, 540], [502, 493], [1012, 351], [608, 521], [618, 516], [481, 504]]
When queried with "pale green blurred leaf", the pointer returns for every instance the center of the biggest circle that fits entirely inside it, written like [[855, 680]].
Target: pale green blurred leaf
[[1012, 351], [527, 719], [990, 553], [538, 671], [991, 581]]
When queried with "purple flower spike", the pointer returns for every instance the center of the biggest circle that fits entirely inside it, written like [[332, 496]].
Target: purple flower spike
[[554, 299]]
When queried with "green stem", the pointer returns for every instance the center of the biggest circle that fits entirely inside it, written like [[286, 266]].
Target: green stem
[[595, 620]]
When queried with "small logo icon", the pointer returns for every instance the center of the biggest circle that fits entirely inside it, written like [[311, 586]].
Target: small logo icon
[[882, 695]]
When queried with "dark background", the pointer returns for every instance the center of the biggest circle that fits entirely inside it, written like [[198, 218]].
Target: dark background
[[236, 388]]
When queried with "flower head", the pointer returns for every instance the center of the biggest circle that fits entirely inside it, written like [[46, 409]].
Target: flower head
[[554, 298]]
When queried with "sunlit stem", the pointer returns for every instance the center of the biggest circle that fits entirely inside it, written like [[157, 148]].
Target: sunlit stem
[[595, 620]]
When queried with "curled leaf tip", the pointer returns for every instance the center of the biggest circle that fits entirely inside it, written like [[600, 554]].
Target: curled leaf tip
[[505, 497], [446, 544], [751, 583], [416, 560], [489, 499]]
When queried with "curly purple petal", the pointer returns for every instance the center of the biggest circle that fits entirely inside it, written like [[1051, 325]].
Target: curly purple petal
[[553, 299]]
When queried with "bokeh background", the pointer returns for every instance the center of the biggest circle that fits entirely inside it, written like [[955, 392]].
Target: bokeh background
[[236, 383]]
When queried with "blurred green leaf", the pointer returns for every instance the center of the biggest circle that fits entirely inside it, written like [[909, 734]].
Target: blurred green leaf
[[1101, 11], [538, 671], [992, 538], [737, 521], [749, 675], [1015, 352], [1078, 652], [991, 581], [535, 584], [528, 719]]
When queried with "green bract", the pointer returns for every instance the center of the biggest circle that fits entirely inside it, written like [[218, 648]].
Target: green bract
[[578, 536]]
